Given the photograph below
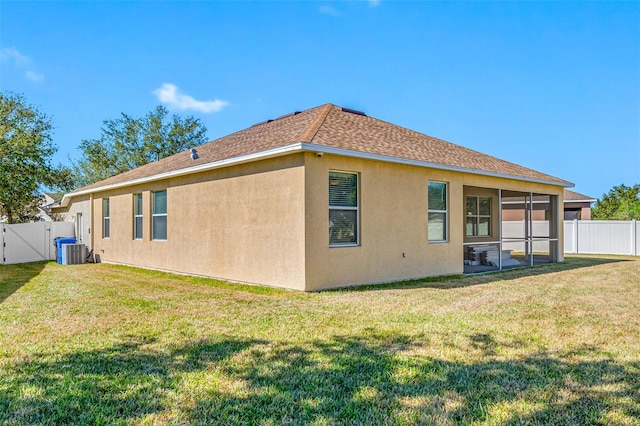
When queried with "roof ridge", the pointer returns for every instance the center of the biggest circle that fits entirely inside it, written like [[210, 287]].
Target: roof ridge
[[312, 130]]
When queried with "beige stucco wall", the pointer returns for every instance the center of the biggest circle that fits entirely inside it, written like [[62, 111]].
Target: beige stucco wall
[[242, 223], [393, 222], [267, 223], [585, 209], [82, 206]]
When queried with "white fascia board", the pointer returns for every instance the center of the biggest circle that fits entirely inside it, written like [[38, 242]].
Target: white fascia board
[[262, 155], [580, 201], [389, 159], [291, 148]]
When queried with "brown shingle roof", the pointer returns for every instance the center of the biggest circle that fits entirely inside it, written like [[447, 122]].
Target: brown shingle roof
[[331, 127], [574, 196]]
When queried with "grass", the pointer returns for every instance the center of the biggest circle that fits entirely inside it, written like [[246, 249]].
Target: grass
[[105, 344]]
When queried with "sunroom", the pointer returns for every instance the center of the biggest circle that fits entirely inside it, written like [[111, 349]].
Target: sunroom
[[506, 229]]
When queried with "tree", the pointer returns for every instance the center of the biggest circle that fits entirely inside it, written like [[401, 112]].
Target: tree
[[127, 143], [621, 203], [26, 148]]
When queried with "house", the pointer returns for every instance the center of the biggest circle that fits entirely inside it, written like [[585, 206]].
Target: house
[[48, 201], [324, 198], [576, 206]]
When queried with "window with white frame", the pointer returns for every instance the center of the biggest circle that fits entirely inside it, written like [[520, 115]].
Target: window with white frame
[[159, 215], [106, 219], [437, 214], [137, 216], [478, 216], [343, 209]]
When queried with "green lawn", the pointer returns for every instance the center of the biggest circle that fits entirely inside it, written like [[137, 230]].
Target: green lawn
[[105, 344]]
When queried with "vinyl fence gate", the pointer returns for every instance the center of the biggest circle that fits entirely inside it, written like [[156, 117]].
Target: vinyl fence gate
[[32, 242]]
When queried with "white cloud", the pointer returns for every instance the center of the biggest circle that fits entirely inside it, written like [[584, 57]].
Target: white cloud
[[22, 62], [13, 54], [328, 10], [170, 95], [36, 77]]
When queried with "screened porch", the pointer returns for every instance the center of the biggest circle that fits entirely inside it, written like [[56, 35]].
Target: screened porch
[[508, 229]]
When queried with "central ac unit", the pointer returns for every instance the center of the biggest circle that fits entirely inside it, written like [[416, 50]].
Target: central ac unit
[[73, 254]]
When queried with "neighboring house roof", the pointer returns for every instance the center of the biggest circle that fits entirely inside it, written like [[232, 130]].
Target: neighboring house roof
[[49, 200], [54, 196], [570, 196], [327, 129]]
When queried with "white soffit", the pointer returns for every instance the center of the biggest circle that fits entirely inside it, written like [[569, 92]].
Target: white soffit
[[299, 147]]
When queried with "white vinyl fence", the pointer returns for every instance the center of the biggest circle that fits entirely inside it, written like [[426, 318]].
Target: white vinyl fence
[[516, 230], [580, 236], [602, 237], [31, 242]]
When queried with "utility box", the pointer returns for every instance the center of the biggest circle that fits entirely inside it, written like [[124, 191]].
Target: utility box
[[73, 254]]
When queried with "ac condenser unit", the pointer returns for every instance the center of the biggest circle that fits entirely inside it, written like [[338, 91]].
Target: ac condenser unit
[[73, 254]]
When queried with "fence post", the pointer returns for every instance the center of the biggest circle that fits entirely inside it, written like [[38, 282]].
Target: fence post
[[634, 238], [2, 244], [575, 236]]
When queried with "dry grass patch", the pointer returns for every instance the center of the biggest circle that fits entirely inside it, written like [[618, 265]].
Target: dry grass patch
[[92, 344]]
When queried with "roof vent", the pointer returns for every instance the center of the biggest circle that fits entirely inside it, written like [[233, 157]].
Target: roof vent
[[288, 115], [353, 111], [278, 118], [194, 154], [262, 122]]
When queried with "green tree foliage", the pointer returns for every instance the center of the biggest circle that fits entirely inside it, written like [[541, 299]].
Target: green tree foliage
[[26, 148], [621, 203], [127, 143]]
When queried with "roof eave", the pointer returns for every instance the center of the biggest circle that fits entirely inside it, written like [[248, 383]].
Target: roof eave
[[262, 155], [303, 147], [368, 156], [581, 201]]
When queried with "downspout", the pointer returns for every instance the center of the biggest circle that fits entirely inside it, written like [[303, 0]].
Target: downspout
[[500, 229], [91, 220]]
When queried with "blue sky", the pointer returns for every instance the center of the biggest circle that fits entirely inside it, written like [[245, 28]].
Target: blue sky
[[554, 86]]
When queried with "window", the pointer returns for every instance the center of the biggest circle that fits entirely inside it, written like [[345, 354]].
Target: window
[[106, 219], [159, 215], [343, 209], [478, 216], [437, 211], [137, 216]]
